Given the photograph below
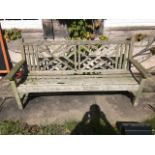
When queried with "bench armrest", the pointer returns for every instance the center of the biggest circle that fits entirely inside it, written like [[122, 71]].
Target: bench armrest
[[15, 69], [140, 68]]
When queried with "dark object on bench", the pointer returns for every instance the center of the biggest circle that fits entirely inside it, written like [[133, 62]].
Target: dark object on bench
[[134, 128]]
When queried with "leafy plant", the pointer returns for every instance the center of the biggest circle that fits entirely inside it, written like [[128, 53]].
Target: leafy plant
[[151, 121], [103, 38], [79, 29], [82, 28], [19, 128], [12, 34]]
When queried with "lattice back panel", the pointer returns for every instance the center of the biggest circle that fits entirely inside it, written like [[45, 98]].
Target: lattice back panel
[[77, 56]]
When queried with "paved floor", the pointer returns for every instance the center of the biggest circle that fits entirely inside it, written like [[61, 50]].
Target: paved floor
[[57, 108]]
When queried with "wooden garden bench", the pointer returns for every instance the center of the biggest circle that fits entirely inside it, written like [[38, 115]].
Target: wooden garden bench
[[76, 66]]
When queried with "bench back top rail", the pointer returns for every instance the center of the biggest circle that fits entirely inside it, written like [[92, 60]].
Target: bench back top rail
[[77, 55]]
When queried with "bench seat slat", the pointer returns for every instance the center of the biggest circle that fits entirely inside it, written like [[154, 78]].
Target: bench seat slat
[[106, 74], [77, 76], [72, 72], [83, 81], [77, 88], [79, 84]]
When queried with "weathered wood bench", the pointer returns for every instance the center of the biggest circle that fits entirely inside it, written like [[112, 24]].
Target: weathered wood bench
[[77, 66]]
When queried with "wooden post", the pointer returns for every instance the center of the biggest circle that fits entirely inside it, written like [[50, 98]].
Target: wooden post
[[16, 94], [101, 28], [131, 47], [139, 92], [48, 28]]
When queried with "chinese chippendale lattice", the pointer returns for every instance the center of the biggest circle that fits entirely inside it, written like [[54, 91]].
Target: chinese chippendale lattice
[[77, 56]]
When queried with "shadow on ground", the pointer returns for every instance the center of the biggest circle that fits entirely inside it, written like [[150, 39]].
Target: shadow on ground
[[32, 96], [94, 122], [45, 109]]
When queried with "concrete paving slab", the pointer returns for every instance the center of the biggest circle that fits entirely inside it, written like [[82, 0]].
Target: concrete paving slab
[[45, 109]]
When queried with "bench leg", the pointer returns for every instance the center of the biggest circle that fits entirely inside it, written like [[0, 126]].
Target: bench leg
[[25, 98], [17, 96], [138, 93]]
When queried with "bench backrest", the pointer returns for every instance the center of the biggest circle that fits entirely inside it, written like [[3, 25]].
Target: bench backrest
[[77, 56]]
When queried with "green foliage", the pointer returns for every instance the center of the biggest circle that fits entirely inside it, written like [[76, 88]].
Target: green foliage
[[151, 122], [12, 34], [78, 29], [70, 125], [140, 37], [10, 127], [18, 128], [54, 129], [103, 38], [82, 28]]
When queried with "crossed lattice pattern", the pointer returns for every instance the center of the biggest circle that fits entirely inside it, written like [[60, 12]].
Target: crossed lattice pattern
[[74, 57]]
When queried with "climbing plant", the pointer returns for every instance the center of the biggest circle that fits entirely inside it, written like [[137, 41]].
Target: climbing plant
[[82, 28]]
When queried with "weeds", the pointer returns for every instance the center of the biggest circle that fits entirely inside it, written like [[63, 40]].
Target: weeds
[[18, 128]]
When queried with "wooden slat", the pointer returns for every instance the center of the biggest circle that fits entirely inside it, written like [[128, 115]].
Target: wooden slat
[[68, 72], [47, 43], [78, 76], [69, 60], [58, 49], [81, 81], [121, 56], [75, 57], [23, 52], [126, 54], [127, 74], [131, 47], [33, 58], [76, 88], [84, 81], [28, 59], [64, 63], [140, 68], [37, 58], [117, 56], [87, 58]]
